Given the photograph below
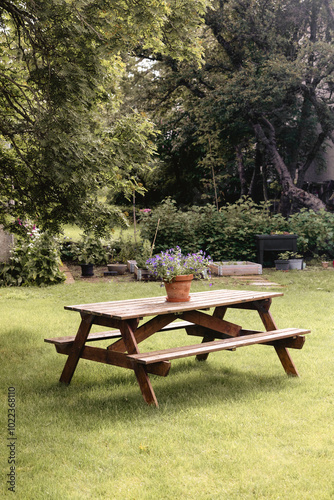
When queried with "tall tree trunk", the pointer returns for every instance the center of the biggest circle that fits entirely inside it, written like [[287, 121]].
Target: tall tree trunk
[[241, 170], [265, 133]]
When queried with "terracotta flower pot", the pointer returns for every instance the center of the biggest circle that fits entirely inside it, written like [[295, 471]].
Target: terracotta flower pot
[[178, 289]]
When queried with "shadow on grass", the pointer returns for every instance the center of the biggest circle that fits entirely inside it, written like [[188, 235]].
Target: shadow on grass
[[97, 398]]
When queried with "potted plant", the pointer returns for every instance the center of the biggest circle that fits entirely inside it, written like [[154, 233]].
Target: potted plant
[[295, 261], [177, 271], [324, 261], [282, 263], [87, 252]]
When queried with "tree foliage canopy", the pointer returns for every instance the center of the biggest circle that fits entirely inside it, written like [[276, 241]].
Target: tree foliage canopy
[[63, 134], [260, 105]]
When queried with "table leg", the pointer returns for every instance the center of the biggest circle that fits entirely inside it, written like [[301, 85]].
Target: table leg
[[78, 345], [282, 352], [127, 330], [219, 312]]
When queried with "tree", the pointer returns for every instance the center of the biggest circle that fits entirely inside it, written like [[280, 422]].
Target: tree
[[263, 96], [63, 133]]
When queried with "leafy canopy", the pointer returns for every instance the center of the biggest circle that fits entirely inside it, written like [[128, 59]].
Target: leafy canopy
[[63, 134]]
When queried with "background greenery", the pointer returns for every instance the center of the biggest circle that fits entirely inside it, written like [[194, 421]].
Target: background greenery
[[234, 427], [230, 233]]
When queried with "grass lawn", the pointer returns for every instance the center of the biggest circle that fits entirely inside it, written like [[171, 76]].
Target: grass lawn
[[233, 427], [75, 233]]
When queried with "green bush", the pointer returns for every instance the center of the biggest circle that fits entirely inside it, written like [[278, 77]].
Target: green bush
[[230, 233], [243, 220], [34, 260], [90, 250], [315, 232]]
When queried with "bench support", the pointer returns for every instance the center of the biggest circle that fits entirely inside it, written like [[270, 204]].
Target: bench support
[[125, 353]]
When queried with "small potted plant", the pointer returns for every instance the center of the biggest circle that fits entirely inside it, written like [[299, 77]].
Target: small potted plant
[[87, 252], [324, 261], [282, 263], [295, 261], [177, 271]]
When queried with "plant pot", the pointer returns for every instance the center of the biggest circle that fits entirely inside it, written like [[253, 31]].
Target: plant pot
[[282, 265], [178, 289], [87, 270], [119, 268], [296, 264], [142, 274]]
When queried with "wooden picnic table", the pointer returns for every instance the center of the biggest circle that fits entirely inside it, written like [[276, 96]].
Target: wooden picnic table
[[129, 329]]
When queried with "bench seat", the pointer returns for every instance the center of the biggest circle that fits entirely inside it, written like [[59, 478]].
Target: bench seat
[[111, 334], [218, 345]]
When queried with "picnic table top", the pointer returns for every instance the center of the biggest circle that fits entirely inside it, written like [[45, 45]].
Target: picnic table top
[[150, 306]]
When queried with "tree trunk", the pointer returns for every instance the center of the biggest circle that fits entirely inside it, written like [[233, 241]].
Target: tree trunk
[[241, 170], [265, 134]]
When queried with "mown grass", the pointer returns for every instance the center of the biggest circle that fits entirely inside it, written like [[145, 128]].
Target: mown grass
[[233, 427], [74, 232]]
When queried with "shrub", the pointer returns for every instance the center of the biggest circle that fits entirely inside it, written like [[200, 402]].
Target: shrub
[[226, 235], [34, 260], [90, 250], [315, 232], [243, 220]]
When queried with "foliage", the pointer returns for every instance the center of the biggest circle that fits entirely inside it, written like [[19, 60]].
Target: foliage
[[257, 113], [289, 255], [143, 254], [63, 133], [34, 260], [230, 233], [198, 228], [243, 220], [172, 262], [90, 250], [315, 232]]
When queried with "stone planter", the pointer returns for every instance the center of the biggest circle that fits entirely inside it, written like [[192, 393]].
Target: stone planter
[[235, 268], [119, 268], [131, 265], [142, 274]]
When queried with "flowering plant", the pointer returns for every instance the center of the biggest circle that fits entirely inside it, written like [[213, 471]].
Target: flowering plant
[[166, 265]]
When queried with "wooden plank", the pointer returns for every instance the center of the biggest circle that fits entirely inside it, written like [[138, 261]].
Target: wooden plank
[[112, 334], [114, 358], [127, 329], [144, 331], [135, 308], [209, 336], [212, 322], [76, 349], [91, 337], [217, 345]]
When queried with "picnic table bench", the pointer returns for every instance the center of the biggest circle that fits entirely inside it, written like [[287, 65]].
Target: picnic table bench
[[128, 331]]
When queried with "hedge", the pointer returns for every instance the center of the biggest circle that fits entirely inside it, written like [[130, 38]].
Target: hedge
[[230, 233]]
